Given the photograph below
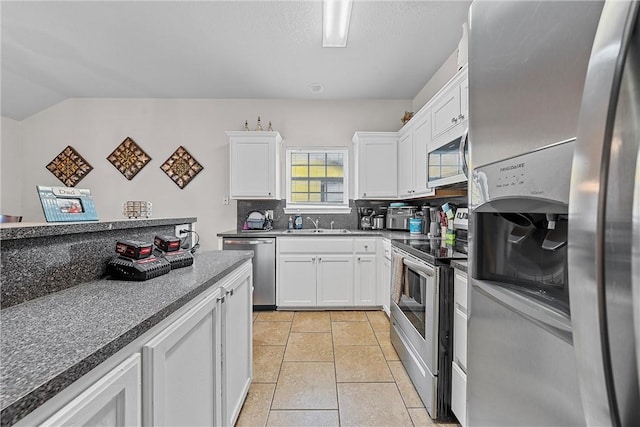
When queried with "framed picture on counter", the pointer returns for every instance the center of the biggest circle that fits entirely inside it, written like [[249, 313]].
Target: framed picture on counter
[[65, 204]]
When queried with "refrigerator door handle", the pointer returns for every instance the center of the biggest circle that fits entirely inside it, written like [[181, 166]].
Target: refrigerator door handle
[[635, 267], [588, 213]]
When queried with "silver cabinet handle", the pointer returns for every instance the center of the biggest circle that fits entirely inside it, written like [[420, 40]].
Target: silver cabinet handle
[[230, 292], [461, 117], [454, 119], [429, 271], [248, 242], [319, 259]]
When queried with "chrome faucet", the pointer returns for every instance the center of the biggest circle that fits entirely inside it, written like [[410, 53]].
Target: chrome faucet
[[332, 224], [315, 223]]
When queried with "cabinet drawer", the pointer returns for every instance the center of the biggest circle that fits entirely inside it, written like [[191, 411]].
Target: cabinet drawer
[[459, 393], [366, 246], [460, 289], [315, 245], [460, 337]]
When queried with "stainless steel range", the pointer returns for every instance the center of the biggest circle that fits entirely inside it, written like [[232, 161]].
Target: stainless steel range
[[422, 318]]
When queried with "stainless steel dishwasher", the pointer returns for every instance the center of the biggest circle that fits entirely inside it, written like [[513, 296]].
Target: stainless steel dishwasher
[[264, 268]]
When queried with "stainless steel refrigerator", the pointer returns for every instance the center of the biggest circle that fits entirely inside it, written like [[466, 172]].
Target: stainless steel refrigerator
[[554, 316]]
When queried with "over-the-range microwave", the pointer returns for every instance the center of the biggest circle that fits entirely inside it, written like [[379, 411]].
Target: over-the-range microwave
[[447, 161]]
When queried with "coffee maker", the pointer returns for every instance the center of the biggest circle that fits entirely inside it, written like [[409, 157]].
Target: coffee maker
[[365, 218]]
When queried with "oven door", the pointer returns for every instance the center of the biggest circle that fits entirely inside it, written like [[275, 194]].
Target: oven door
[[417, 310]]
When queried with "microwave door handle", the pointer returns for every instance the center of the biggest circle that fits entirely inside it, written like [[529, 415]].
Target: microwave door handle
[[423, 270], [464, 141]]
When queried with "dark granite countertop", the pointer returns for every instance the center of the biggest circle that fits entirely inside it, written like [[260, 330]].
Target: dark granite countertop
[[389, 234], [50, 342], [460, 265], [26, 230]]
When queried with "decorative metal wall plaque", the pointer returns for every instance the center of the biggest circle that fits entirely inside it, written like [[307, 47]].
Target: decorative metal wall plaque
[[129, 158], [69, 167], [181, 167]]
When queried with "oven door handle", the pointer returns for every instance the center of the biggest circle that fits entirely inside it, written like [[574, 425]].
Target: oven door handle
[[421, 269]]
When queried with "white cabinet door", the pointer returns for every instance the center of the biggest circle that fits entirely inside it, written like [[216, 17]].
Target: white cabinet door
[[376, 165], [405, 165], [365, 280], [296, 281], [421, 138], [459, 393], [254, 165], [182, 369], [384, 276], [114, 400], [236, 346], [335, 280], [445, 112], [459, 363]]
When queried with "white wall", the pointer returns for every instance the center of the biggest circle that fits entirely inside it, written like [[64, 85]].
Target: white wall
[[11, 168], [94, 127], [446, 71]]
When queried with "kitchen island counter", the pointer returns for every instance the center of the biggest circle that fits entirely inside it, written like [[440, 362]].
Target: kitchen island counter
[[49, 342]]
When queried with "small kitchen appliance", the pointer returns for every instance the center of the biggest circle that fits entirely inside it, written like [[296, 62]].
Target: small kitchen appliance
[[365, 218], [378, 222], [398, 217]]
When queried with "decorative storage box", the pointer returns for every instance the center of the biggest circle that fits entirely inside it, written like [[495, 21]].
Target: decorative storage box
[[136, 209]]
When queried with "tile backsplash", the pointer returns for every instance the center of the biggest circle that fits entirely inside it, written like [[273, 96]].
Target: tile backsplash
[[349, 221]]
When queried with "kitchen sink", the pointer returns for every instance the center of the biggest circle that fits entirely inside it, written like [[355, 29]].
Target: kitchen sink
[[313, 231]]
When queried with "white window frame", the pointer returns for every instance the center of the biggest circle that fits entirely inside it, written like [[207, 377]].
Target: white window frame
[[326, 208]]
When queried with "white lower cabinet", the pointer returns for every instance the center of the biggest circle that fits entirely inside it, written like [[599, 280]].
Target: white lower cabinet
[[327, 272], [384, 275], [182, 369], [237, 346], [459, 363], [366, 272], [192, 369], [334, 280], [297, 281], [114, 400]]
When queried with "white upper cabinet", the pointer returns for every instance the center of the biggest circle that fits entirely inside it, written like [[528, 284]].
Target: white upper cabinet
[[412, 156], [449, 108], [255, 164], [405, 163], [376, 165]]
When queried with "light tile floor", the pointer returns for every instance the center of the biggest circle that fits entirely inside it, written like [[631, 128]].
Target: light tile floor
[[328, 368]]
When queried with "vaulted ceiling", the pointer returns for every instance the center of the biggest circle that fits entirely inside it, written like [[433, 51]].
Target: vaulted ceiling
[[54, 50]]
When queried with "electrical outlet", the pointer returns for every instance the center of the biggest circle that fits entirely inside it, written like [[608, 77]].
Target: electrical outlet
[[182, 227]]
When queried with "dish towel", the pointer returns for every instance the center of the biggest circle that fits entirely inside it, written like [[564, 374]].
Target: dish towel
[[397, 278]]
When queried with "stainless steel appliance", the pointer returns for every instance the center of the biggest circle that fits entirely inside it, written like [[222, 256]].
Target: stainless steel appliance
[[264, 268], [398, 217], [378, 222], [422, 319], [604, 223], [554, 240], [365, 218], [447, 161]]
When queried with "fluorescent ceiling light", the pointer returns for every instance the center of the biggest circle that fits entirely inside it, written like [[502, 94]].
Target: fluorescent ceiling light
[[336, 15]]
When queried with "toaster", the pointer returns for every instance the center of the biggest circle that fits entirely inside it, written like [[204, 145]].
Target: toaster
[[398, 218]]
